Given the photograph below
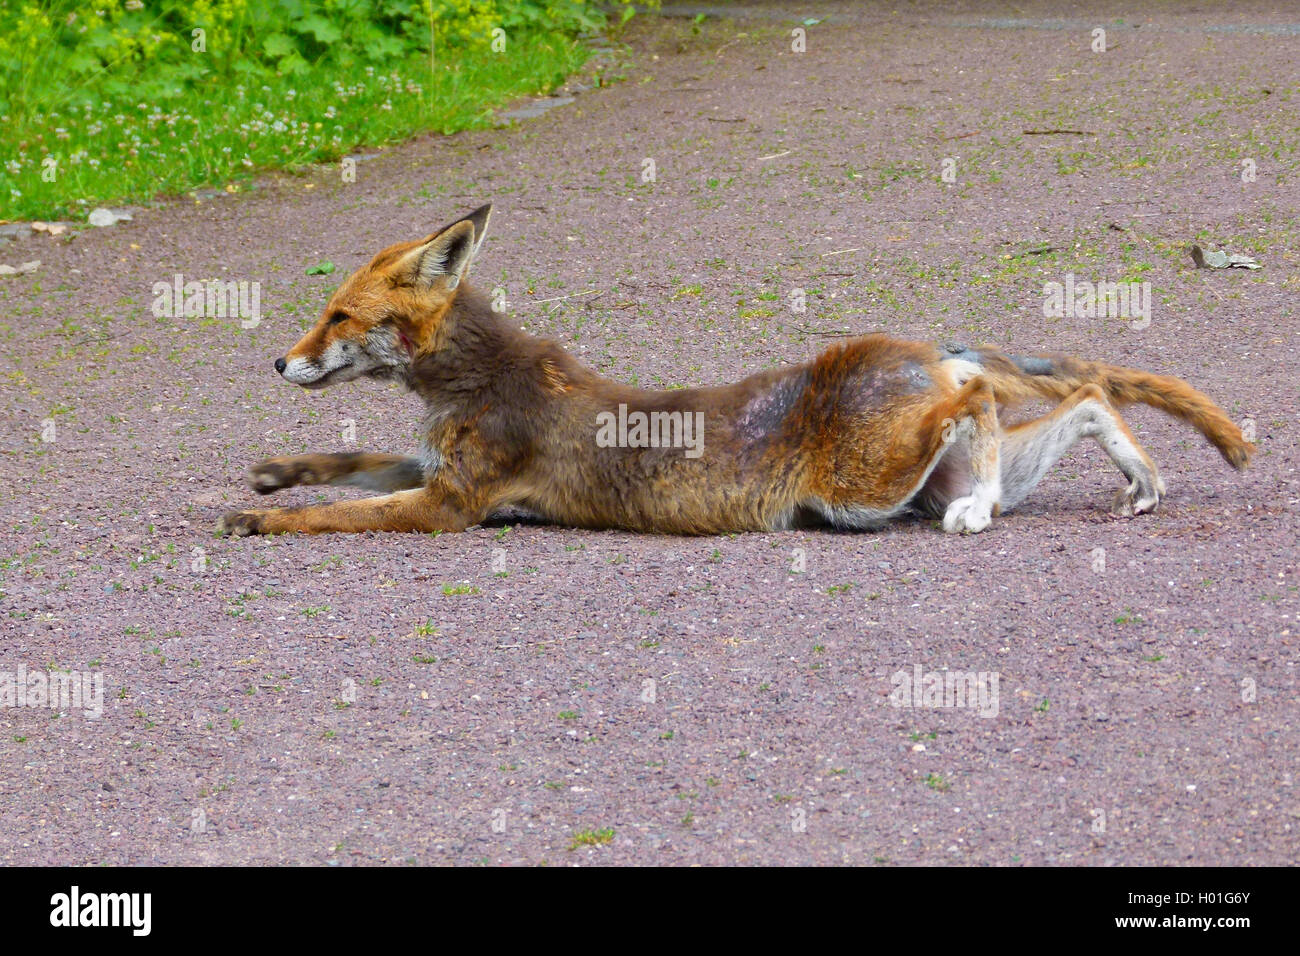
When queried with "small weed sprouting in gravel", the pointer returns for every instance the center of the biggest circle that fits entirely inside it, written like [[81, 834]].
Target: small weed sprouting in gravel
[[449, 589], [426, 629], [936, 781], [592, 838], [845, 588], [569, 715], [1044, 707], [424, 659]]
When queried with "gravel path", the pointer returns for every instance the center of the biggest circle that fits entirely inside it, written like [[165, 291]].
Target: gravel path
[[522, 694]]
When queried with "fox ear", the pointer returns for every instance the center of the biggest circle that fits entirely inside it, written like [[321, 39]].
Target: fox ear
[[447, 254], [480, 217]]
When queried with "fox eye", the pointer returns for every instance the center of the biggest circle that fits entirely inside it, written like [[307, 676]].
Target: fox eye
[[338, 317]]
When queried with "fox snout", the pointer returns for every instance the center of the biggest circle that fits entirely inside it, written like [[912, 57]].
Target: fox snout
[[319, 360]]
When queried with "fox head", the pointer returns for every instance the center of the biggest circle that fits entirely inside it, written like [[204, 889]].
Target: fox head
[[389, 311]]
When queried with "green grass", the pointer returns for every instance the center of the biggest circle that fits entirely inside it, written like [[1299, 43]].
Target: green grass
[[936, 781], [592, 838], [114, 149]]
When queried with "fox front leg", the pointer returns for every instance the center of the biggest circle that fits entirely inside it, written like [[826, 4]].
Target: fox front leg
[[421, 509], [359, 469]]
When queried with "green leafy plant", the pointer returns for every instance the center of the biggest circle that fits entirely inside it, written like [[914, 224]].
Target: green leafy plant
[[123, 99]]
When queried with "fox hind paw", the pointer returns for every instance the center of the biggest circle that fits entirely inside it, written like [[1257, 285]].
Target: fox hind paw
[[967, 515], [1138, 498]]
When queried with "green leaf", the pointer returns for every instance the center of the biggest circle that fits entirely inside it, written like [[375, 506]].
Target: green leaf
[[278, 45], [293, 65], [321, 269], [320, 28]]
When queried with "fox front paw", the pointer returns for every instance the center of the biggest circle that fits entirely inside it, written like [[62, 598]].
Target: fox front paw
[[241, 524], [276, 473]]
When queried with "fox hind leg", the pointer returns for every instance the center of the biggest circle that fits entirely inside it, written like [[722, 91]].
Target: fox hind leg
[[976, 427], [358, 469], [1030, 449]]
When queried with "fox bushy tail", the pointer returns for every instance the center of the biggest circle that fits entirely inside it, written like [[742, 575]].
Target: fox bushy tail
[[1016, 379]]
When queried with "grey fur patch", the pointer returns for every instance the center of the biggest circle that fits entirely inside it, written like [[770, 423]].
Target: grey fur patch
[[955, 351], [430, 459], [763, 416], [1034, 366], [914, 377]]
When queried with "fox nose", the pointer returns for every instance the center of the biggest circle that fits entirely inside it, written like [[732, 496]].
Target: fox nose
[[280, 364]]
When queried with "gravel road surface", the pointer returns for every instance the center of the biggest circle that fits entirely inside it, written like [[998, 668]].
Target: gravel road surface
[[525, 694]]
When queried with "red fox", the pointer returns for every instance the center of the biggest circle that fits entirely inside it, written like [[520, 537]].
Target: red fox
[[871, 428]]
